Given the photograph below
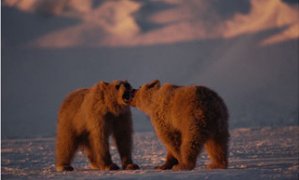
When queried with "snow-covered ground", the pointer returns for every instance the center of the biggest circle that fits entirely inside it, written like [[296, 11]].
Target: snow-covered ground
[[262, 153]]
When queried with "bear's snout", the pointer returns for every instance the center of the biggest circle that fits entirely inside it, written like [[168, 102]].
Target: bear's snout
[[133, 92], [127, 96]]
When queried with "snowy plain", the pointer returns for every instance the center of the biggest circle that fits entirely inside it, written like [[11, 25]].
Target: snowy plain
[[255, 153]]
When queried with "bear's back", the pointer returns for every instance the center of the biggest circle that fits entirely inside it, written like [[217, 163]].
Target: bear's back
[[72, 102], [214, 108], [182, 101]]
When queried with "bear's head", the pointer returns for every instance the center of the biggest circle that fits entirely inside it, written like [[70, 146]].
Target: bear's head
[[123, 91], [116, 93], [142, 97], [114, 97]]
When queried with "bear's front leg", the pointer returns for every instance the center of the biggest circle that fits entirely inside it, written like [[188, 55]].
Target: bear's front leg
[[169, 163], [122, 132], [192, 143], [172, 140], [100, 146]]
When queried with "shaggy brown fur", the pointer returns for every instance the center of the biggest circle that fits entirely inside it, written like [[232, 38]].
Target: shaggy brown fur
[[186, 118], [86, 119]]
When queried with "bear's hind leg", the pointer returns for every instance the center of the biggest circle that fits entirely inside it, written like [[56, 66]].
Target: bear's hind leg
[[66, 147], [217, 149]]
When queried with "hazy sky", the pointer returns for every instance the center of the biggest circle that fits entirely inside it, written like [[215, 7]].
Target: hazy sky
[[247, 50]]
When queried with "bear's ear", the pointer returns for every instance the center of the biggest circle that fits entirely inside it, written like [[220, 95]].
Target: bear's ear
[[154, 83], [102, 84], [117, 84]]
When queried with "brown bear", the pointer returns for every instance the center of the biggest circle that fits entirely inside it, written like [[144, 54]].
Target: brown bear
[[87, 118], [186, 118]]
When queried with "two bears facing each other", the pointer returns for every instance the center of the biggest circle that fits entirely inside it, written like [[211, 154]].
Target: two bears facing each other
[[87, 118], [186, 118]]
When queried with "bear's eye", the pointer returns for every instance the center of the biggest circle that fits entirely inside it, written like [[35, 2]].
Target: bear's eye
[[117, 87], [127, 86]]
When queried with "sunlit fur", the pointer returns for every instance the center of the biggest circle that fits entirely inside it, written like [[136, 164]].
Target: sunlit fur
[[87, 118], [186, 118]]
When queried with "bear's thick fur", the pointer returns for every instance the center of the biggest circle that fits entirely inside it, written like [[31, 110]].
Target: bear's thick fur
[[87, 118], [186, 118]]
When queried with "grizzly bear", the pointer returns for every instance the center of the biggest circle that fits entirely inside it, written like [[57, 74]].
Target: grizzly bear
[[186, 118], [87, 118]]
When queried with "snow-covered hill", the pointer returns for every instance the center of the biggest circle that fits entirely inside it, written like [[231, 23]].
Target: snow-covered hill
[[264, 153]]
